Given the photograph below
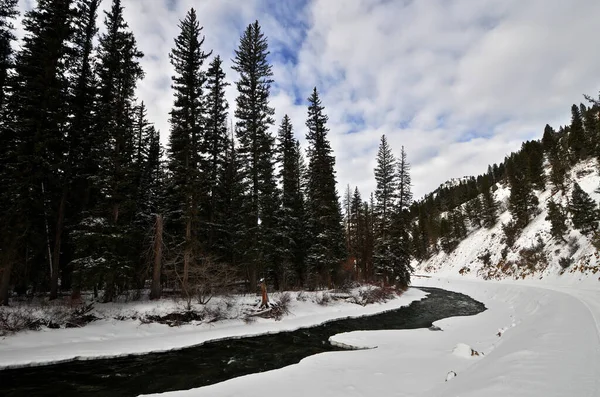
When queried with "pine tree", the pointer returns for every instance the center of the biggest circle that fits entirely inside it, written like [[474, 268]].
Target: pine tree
[[85, 147], [325, 233], [186, 149], [107, 231], [534, 152], [404, 182], [578, 142], [232, 242], [557, 217], [583, 210], [216, 140], [489, 204], [385, 194], [255, 116], [522, 201], [34, 136], [292, 201], [385, 178], [474, 212], [8, 12]]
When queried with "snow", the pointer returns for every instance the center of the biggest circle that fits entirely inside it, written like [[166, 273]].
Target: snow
[[532, 342], [539, 337], [114, 338]]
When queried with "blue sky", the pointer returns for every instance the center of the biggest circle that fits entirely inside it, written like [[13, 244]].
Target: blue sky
[[458, 83]]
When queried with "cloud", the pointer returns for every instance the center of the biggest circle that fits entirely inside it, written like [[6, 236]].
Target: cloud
[[458, 83]]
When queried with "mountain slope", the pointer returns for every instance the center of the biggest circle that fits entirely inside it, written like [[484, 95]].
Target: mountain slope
[[484, 254]]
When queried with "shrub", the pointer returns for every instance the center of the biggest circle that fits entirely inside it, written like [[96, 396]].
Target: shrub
[[323, 299], [486, 258], [511, 232], [565, 262]]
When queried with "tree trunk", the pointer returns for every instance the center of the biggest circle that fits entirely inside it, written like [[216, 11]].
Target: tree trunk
[[4, 283], [57, 242], [155, 290], [264, 303], [187, 255]]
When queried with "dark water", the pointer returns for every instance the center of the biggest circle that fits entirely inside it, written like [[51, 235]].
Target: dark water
[[218, 361]]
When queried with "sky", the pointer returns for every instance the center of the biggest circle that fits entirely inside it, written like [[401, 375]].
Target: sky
[[458, 83]]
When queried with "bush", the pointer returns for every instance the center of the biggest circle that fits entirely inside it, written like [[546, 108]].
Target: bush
[[511, 232], [323, 299], [533, 256], [565, 262], [281, 306], [486, 258]]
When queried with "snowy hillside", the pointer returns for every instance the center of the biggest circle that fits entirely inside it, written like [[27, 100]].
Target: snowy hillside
[[483, 254]]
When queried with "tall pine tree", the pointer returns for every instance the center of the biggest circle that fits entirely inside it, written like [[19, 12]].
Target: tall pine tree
[[186, 148], [292, 200], [325, 230], [254, 117]]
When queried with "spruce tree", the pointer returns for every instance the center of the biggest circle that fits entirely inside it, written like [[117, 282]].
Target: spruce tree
[[325, 232], [215, 141], [86, 150], [557, 217], [404, 182], [583, 210], [578, 143], [186, 149], [385, 190], [489, 205], [522, 201], [385, 194], [292, 201], [474, 212], [232, 242], [104, 250], [400, 236], [254, 117], [34, 136]]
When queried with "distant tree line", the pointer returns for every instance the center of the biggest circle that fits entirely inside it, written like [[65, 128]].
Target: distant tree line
[[90, 200]]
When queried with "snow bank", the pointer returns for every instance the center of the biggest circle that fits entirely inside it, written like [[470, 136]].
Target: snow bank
[[115, 338], [549, 347]]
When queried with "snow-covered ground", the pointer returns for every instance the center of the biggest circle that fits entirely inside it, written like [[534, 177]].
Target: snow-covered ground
[[113, 338], [532, 341]]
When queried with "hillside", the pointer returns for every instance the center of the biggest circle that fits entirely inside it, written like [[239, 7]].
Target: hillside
[[535, 255]]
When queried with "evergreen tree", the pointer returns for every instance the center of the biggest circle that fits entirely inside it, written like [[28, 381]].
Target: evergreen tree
[[578, 142], [404, 182], [557, 217], [583, 210], [385, 193], [186, 146], [385, 178], [86, 150], [522, 201], [8, 11], [232, 241], [474, 212], [534, 153], [104, 251], [490, 207], [216, 141], [292, 201], [254, 117], [33, 139], [325, 233]]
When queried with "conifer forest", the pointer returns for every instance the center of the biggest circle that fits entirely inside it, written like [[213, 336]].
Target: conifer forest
[[91, 200]]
